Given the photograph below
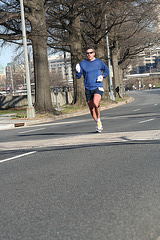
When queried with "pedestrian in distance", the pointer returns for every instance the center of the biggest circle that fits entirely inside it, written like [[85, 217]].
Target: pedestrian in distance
[[93, 71], [150, 86]]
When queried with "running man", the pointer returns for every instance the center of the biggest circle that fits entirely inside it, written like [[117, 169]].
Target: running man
[[93, 70]]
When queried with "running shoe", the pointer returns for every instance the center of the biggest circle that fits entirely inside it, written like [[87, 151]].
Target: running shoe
[[99, 126]]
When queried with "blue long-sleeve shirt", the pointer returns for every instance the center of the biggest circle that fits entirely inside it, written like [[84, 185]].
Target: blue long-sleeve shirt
[[91, 70]]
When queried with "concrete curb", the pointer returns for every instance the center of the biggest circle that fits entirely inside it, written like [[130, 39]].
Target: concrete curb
[[5, 126], [12, 123]]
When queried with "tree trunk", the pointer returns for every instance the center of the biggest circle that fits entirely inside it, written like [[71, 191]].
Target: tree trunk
[[100, 53], [39, 43], [100, 50], [122, 92], [115, 69], [43, 94], [115, 58], [76, 57]]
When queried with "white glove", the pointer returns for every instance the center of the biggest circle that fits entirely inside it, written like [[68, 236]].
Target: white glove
[[100, 78], [78, 68]]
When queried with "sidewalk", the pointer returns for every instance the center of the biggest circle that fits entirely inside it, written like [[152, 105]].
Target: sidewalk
[[7, 121]]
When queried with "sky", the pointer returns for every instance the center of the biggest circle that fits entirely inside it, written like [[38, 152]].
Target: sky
[[6, 54]]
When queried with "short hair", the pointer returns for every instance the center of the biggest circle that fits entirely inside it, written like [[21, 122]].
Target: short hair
[[90, 48]]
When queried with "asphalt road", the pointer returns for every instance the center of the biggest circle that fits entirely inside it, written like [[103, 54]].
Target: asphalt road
[[62, 181]]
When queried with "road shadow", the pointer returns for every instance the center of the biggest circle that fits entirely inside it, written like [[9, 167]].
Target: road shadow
[[56, 134], [125, 142]]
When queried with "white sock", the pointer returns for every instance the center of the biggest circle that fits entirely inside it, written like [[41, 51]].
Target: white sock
[[98, 120]]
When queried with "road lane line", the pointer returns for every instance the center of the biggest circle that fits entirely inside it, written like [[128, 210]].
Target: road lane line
[[136, 110], [32, 130], [149, 120], [18, 156]]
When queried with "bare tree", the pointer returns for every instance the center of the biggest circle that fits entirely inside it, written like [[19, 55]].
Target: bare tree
[[132, 36], [65, 34], [71, 26], [128, 26], [37, 34]]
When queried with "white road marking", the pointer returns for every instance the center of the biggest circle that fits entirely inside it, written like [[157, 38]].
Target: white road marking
[[155, 104], [32, 130], [18, 156], [136, 110], [149, 120]]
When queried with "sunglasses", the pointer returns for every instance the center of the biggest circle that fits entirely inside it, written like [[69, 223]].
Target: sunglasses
[[89, 53]]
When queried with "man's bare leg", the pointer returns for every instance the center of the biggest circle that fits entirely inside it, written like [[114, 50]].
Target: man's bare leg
[[92, 109], [94, 106], [96, 102]]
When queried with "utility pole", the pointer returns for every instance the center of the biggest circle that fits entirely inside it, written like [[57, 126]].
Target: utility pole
[[30, 108], [109, 64]]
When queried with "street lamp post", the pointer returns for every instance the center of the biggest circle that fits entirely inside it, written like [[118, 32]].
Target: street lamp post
[[30, 108], [109, 64]]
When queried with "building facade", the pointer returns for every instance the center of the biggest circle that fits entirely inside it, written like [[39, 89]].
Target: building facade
[[2, 78], [13, 77], [146, 62], [60, 68]]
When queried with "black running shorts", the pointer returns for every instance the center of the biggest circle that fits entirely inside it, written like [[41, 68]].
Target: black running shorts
[[90, 93]]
